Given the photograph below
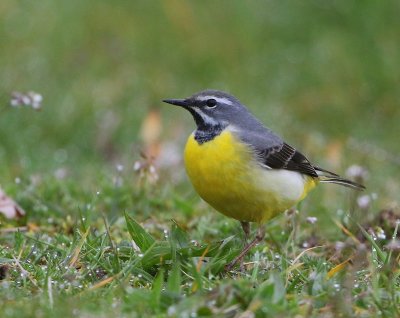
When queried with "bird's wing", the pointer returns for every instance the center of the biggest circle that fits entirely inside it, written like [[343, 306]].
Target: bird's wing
[[284, 156], [273, 153]]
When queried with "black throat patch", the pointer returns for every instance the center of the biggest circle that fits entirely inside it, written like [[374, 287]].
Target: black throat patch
[[205, 131], [204, 134]]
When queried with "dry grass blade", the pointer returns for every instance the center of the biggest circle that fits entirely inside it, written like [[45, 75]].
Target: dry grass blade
[[337, 268], [346, 231], [200, 262], [305, 251], [78, 248], [103, 282]]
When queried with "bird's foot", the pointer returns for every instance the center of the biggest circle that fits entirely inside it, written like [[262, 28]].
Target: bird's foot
[[259, 237]]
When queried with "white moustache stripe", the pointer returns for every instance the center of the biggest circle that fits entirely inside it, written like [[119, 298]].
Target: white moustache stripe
[[207, 119], [221, 100]]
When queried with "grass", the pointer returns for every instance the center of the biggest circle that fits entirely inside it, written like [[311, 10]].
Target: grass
[[78, 261], [110, 233]]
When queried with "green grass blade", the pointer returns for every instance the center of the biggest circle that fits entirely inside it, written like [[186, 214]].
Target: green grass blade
[[174, 279], [382, 255], [156, 254], [156, 290], [179, 236], [279, 287], [138, 234], [393, 239]]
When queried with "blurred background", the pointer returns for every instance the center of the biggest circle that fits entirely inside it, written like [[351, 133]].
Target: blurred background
[[325, 75]]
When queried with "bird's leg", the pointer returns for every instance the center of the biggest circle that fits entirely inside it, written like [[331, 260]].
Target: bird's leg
[[259, 237], [246, 230]]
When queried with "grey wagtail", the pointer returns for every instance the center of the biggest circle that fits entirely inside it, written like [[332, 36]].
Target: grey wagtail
[[243, 169]]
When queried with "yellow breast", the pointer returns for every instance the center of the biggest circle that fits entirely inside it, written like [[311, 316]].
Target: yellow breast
[[226, 175]]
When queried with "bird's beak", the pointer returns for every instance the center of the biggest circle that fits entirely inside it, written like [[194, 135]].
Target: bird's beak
[[178, 102]]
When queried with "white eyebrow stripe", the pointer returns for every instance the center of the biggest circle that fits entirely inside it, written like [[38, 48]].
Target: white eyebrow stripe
[[221, 100]]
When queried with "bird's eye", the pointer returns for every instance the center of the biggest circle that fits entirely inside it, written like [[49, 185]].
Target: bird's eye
[[211, 103]]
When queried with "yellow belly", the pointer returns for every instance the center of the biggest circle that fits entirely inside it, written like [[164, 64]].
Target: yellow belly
[[226, 175]]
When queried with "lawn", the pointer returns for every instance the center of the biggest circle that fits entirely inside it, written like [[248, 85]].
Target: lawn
[[112, 226]]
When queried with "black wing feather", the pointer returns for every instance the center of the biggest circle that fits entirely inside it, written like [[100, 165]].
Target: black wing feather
[[286, 157], [280, 155]]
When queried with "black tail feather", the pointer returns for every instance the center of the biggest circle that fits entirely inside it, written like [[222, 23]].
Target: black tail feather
[[342, 181], [319, 169]]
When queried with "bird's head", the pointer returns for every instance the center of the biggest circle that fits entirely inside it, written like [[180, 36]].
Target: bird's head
[[211, 108]]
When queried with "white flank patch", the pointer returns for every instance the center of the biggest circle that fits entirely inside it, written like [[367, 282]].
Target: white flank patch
[[221, 100], [284, 183]]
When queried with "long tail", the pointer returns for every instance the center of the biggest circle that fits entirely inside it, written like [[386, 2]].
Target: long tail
[[326, 176]]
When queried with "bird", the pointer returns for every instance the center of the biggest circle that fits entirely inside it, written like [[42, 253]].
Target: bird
[[243, 169]]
